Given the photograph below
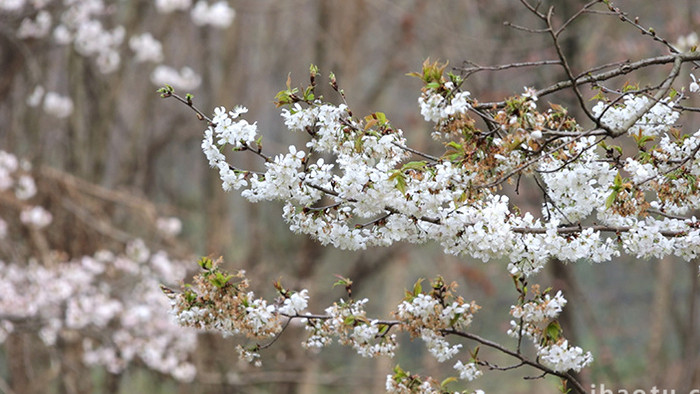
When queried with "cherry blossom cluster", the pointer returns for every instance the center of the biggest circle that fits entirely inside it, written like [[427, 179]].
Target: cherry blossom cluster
[[659, 118], [429, 315], [218, 14], [370, 194], [656, 169], [405, 382], [537, 320], [222, 302]]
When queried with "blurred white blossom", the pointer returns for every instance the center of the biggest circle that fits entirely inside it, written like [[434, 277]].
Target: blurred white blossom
[[35, 28], [57, 105], [26, 188], [185, 79], [36, 217], [146, 48], [170, 226], [11, 5], [34, 99], [167, 6], [219, 14]]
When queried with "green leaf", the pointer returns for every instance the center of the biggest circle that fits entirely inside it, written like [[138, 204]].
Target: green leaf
[[475, 353], [358, 144], [313, 69], [447, 381], [553, 331], [417, 287], [673, 93], [190, 296], [598, 97], [456, 79], [399, 373], [219, 279], [205, 263], [309, 93], [611, 199], [400, 179], [376, 118], [628, 87], [342, 281], [414, 165], [286, 97], [617, 182], [454, 145]]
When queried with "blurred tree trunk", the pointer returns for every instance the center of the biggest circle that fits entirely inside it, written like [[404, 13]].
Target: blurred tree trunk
[[17, 358], [658, 318], [690, 348], [75, 376]]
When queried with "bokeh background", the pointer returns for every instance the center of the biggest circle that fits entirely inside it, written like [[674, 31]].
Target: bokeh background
[[136, 155]]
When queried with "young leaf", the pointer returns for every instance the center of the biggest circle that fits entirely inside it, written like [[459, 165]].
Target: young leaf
[[417, 287]]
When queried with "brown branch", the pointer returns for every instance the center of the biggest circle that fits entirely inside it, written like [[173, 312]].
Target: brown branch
[[580, 12], [416, 152], [567, 68], [524, 360], [579, 229], [477, 68], [647, 32], [564, 375], [523, 28], [588, 78]]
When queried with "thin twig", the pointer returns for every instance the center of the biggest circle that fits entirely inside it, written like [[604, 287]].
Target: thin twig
[[416, 152], [477, 68], [588, 77], [580, 12], [523, 359]]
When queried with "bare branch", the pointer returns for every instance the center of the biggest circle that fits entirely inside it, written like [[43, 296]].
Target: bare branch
[[588, 78]]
